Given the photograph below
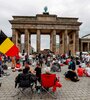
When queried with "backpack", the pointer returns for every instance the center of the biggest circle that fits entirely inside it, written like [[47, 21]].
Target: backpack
[[24, 81]]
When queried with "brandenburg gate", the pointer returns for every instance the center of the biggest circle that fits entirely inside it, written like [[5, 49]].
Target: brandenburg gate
[[47, 24]]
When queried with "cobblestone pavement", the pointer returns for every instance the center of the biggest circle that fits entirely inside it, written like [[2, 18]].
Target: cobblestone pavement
[[69, 91]]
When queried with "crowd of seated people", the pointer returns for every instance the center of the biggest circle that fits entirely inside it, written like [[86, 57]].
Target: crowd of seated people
[[37, 73], [56, 66], [82, 70], [53, 62]]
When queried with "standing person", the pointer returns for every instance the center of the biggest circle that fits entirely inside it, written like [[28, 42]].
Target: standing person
[[30, 59], [0, 59], [13, 62], [41, 62], [5, 58], [81, 56], [26, 57], [69, 54], [38, 72], [23, 59], [48, 61]]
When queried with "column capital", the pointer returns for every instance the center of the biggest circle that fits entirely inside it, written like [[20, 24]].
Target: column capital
[[38, 30], [54, 32], [26, 30]]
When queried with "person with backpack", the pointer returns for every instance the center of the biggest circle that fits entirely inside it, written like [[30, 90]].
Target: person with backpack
[[72, 65], [71, 73]]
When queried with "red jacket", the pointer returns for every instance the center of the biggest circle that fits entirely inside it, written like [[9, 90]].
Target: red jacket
[[80, 71]]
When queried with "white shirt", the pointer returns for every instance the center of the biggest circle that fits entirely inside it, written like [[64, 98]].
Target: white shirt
[[88, 70], [83, 65]]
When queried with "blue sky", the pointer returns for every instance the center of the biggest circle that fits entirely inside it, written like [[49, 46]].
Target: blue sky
[[62, 8]]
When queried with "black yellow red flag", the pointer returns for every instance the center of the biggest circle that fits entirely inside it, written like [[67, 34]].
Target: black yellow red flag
[[7, 46]]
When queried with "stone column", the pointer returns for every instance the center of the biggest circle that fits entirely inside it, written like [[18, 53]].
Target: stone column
[[38, 40], [19, 42], [54, 41], [65, 42], [77, 41], [15, 36], [88, 46], [59, 43], [51, 41], [62, 48], [30, 48], [27, 41], [74, 38]]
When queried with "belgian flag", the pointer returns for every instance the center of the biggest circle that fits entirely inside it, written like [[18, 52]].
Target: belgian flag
[[7, 47]]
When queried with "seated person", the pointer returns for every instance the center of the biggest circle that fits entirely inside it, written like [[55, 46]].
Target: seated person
[[71, 74], [67, 61], [20, 77], [31, 70], [87, 71], [77, 61], [83, 65], [38, 72], [56, 67], [1, 71], [17, 67], [57, 81], [27, 76], [72, 65], [80, 71], [60, 62]]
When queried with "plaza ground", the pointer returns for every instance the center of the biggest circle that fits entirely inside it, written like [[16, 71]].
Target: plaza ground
[[69, 91]]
